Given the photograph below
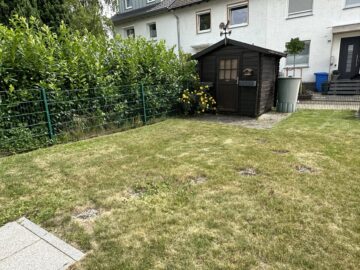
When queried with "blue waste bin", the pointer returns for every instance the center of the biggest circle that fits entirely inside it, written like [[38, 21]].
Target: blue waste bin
[[321, 77]]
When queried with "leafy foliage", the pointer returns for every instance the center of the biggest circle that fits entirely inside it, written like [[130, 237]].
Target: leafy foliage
[[197, 101], [294, 47], [90, 80], [77, 14]]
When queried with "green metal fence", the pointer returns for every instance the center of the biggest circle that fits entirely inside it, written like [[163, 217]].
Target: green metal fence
[[33, 118]]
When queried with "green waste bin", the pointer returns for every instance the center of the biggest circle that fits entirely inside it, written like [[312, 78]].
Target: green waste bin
[[288, 92]]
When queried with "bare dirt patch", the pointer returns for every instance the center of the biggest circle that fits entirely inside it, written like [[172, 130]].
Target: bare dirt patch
[[88, 214], [198, 180], [265, 121], [248, 172], [304, 169]]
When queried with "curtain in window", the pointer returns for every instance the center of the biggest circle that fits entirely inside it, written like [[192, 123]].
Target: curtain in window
[[296, 6]]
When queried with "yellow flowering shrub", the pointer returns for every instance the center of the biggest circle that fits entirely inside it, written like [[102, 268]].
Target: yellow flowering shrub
[[197, 101]]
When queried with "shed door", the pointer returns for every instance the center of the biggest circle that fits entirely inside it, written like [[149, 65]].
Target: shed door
[[227, 90]]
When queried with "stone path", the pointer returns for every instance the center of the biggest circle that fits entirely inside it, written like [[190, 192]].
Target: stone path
[[265, 121], [26, 246]]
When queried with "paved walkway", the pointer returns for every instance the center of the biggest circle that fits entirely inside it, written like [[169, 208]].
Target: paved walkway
[[265, 121], [26, 246]]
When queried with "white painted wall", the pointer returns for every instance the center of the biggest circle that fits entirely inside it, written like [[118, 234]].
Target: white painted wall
[[268, 27], [165, 23]]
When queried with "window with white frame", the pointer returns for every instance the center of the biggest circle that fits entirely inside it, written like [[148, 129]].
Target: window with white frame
[[352, 3], [298, 8], [238, 14], [130, 32], [128, 4], [203, 21], [301, 59], [152, 30]]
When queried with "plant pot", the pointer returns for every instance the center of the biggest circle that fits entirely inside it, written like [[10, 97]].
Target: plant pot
[[288, 92]]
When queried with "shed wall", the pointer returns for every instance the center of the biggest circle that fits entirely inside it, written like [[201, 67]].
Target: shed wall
[[267, 83]]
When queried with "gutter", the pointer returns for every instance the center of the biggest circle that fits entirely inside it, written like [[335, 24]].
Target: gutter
[[178, 30]]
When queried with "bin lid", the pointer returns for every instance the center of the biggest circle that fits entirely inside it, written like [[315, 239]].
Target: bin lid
[[321, 73]]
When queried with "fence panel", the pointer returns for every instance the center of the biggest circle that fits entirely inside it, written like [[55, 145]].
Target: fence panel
[[38, 117]]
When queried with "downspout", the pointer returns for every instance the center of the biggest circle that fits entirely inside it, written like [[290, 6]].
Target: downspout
[[178, 30]]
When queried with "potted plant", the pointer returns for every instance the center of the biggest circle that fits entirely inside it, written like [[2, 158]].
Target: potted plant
[[288, 87], [335, 75]]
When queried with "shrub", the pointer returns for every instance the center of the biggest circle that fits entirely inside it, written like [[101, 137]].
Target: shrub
[[89, 80], [197, 101]]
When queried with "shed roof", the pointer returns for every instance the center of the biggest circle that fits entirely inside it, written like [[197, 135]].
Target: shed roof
[[232, 42]]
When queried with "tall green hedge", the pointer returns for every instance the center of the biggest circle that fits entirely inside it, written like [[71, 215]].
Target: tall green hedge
[[81, 73]]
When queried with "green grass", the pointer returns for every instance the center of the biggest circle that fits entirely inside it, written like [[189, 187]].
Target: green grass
[[171, 195]]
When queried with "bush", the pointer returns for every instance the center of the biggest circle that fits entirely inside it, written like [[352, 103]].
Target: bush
[[89, 80], [197, 101]]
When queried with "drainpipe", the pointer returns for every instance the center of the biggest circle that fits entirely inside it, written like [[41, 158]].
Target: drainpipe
[[178, 30]]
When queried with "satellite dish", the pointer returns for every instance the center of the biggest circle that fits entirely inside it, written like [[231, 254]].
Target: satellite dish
[[222, 26]]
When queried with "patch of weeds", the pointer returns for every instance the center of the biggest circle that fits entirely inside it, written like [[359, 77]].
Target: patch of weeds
[[304, 169], [147, 189], [248, 172]]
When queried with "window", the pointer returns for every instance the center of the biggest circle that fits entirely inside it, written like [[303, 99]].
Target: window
[[228, 69], [130, 32], [349, 57], [301, 59], [128, 4], [238, 14], [152, 30], [352, 3], [203, 21], [298, 8]]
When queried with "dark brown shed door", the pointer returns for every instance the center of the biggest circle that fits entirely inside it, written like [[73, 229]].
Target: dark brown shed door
[[227, 92]]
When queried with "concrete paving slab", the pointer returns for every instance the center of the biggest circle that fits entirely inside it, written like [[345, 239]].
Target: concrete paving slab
[[13, 238], [52, 239], [26, 246], [40, 255]]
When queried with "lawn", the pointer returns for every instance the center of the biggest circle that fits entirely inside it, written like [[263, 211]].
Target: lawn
[[185, 194]]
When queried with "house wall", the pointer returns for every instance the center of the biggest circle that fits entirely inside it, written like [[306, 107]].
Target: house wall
[[269, 26], [165, 23]]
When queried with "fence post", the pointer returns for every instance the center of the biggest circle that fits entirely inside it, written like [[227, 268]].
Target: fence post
[[143, 102], [47, 113]]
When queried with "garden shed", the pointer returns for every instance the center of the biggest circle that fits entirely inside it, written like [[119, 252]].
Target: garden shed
[[242, 76]]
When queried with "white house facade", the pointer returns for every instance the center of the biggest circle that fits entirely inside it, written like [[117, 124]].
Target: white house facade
[[330, 28]]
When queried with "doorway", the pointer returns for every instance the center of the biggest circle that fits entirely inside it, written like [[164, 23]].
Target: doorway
[[349, 59], [227, 90]]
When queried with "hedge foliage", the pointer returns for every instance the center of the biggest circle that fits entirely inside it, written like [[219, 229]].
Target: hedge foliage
[[85, 76]]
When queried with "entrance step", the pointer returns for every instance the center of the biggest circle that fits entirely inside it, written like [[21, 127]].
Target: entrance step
[[344, 87]]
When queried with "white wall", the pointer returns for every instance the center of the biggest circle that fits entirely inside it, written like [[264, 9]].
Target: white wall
[[268, 27], [165, 23], [253, 33]]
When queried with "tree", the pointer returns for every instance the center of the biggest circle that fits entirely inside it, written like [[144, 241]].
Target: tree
[[81, 15], [294, 47]]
